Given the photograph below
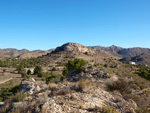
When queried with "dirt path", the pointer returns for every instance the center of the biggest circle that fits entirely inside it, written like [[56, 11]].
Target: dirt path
[[6, 80], [7, 77]]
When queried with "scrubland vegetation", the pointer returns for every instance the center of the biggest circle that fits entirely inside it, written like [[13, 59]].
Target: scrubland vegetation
[[75, 81]]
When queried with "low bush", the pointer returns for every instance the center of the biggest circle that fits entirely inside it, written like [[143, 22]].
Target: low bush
[[53, 78], [83, 84], [108, 109], [29, 72], [19, 96], [143, 72], [106, 65], [54, 69], [104, 109], [86, 53], [6, 93], [65, 72], [1, 98], [14, 89], [120, 85], [38, 70]]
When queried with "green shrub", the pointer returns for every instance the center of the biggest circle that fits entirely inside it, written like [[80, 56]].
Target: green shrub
[[38, 71], [27, 63], [143, 72], [65, 72], [74, 65], [95, 65], [29, 72], [53, 77], [24, 75], [108, 109], [98, 74], [21, 69], [105, 65], [86, 53], [6, 93], [1, 98], [54, 69], [104, 109], [120, 85], [14, 89], [43, 74]]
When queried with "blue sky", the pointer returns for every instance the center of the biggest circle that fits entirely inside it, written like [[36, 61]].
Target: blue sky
[[46, 24]]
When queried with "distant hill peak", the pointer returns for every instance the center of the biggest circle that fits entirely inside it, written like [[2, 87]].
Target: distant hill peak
[[110, 48], [73, 47]]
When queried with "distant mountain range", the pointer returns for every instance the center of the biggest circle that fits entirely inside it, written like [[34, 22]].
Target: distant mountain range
[[24, 53], [136, 54], [129, 52]]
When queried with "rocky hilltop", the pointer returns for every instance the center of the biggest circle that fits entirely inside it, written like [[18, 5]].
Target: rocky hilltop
[[112, 51], [73, 47]]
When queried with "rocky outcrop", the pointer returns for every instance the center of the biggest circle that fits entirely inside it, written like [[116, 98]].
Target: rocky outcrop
[[32, 87], [87, 72], [65, 98]]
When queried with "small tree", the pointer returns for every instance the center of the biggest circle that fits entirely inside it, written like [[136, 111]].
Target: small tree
[[86, 53], [29, 72], [21, 69], [74, 65], [38, 70]]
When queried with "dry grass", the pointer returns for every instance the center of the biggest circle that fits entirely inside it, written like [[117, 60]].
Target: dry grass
[[19, 96], [52, 86], [4, 108], [82, 84], [80, 106]]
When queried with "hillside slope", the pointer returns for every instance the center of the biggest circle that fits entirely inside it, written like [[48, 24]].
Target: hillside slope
[[75, 78]]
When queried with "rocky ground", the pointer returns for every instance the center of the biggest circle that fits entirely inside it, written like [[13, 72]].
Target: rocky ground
[[79, 93], [69, 97]]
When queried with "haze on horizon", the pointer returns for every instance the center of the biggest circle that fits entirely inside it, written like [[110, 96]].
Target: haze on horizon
[[46, 24]]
